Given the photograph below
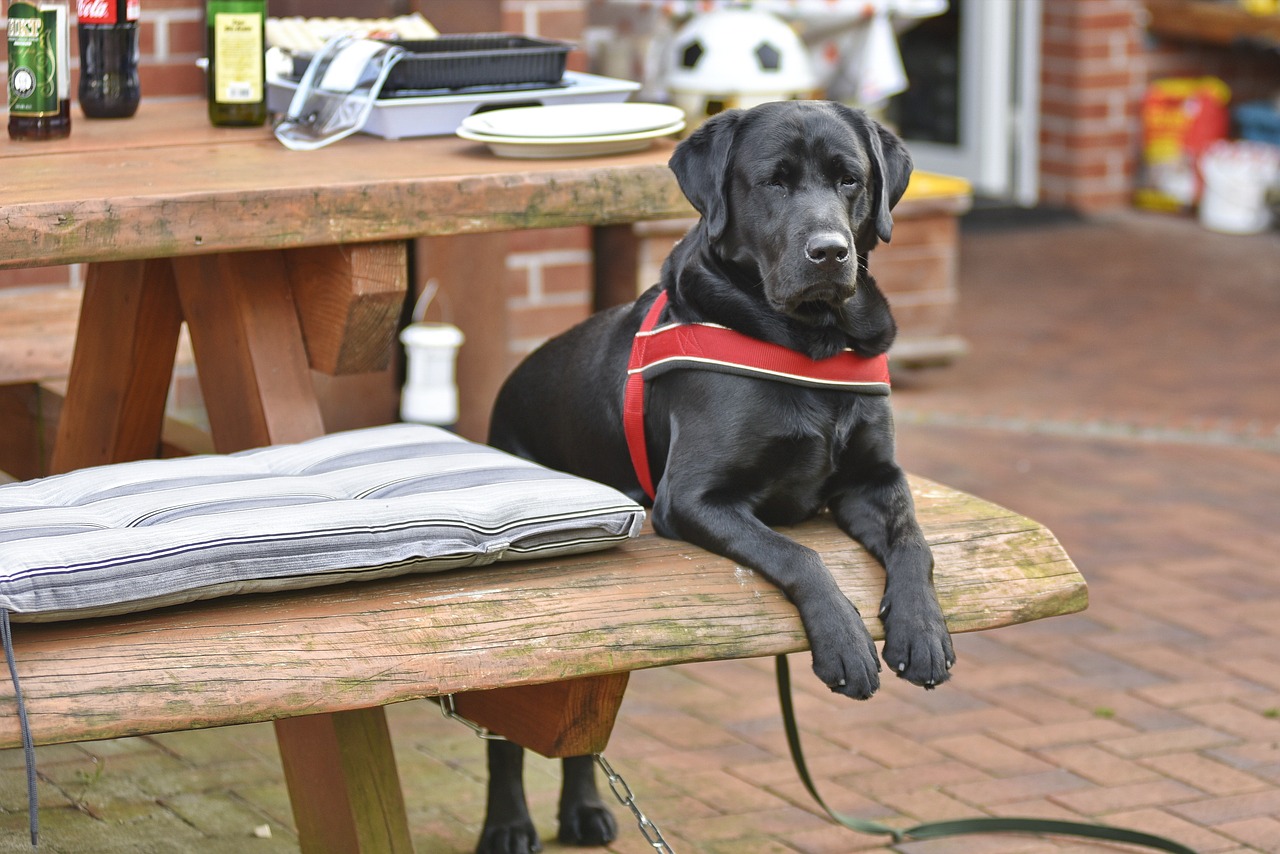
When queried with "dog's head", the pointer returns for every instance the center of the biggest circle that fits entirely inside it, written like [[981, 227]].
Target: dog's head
[[797, 193]]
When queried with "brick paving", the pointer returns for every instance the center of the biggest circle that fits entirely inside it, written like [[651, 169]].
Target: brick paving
[[1121, 388]]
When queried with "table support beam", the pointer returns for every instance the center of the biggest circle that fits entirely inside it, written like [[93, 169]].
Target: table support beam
[[123, 361], [343, 784], [248, 345]]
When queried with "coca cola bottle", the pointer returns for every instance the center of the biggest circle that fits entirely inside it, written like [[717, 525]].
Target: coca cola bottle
[[108, 31], [39, 70]]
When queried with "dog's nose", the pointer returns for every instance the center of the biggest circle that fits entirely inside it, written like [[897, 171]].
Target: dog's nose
[[827, 249]]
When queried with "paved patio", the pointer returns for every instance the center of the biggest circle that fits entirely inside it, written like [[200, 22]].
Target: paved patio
[[1122, 387]]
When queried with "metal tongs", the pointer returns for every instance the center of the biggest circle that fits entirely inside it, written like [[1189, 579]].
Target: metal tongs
[[337, 92]]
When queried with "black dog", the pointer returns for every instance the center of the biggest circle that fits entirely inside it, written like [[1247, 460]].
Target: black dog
[[793, 195]]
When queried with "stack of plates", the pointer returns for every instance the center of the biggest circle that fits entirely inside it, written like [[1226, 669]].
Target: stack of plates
[[572, 130]]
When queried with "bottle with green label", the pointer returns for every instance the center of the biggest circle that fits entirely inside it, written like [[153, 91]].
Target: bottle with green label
[[39, 70], [237, 85]]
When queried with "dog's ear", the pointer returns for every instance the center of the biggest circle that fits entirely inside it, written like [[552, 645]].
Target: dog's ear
[[891, 163], [701, 166]]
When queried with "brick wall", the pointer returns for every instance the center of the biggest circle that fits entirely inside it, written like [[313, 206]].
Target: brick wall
[[1093, 73], [1097, 60]]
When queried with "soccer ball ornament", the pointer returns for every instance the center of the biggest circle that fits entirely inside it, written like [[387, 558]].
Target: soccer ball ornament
[[735, 58]]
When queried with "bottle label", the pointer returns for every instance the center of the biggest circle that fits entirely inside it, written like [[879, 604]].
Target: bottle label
[[237, 60], [96, 11], [37, 44], [106, 11]]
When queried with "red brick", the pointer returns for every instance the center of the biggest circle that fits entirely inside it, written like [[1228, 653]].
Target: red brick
[[1228, 717], [1262, 834], [1110, 799], [1098, 765], [1217, 811], [542, 239], [1171, 741], [1205, 774], [892, 750], [1047, 783], [1073, 732], [990, 755], [1162, 823]]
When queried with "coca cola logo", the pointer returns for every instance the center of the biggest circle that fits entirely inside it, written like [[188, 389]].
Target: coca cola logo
[[96, 11]]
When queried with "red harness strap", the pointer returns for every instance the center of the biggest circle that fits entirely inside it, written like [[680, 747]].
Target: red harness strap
[[707, 346]]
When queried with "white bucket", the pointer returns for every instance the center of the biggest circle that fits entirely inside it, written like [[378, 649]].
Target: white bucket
[[1236, 178], [430, 394]]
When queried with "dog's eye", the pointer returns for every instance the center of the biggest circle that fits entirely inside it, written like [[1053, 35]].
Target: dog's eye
[[848, 181]]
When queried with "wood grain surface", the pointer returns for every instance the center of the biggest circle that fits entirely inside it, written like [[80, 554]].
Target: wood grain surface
[[651, 602]]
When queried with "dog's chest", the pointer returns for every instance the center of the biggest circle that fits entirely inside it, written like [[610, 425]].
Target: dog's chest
[[807, 448]]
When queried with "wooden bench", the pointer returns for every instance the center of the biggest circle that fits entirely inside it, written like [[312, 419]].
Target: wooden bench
[[538, 651]]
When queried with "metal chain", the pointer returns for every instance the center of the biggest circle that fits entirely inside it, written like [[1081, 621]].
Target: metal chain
[[450, 711], [623, 793], [619, 786]]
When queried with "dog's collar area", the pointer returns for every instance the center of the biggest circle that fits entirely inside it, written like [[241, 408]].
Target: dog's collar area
[[708, 346]]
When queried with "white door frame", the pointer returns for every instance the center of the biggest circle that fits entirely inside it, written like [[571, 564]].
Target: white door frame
[[999, 95]]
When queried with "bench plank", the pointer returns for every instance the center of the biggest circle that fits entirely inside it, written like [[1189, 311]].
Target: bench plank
[[649, 603]]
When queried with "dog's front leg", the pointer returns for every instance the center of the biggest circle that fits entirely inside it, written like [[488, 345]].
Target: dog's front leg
[[508, 828], [878, 512], [844, 656]]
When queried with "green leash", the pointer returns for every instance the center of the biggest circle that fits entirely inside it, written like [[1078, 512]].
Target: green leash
[[959, 827]]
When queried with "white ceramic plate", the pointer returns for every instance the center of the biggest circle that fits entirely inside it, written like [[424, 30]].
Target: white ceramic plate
[[573, 120], [569, 146]]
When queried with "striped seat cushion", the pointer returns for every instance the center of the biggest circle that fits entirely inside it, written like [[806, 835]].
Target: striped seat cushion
[[368, 503]]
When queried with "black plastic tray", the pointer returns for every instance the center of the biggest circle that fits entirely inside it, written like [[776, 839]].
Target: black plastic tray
[[470, 61]]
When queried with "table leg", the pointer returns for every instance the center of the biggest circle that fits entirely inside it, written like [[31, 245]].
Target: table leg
[[471, 272], [615, 251], [249, 351], [122, 365], [257, 387], [343, 784]]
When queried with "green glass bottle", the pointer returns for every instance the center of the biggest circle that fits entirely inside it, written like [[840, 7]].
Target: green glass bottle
[[237, 83], [39, 70]]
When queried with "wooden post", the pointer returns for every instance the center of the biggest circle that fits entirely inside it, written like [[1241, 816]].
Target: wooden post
[[470, 270], [343, 784], [123, 361], [249, 350], [616, 253]]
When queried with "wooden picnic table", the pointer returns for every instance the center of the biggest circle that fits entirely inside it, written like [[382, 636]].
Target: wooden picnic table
[[281, 263]]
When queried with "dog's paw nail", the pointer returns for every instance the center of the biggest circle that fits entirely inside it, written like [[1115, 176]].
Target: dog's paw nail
[[902, 665], [951, 662]]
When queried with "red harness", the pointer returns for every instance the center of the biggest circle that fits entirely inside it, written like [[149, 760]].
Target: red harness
[[707, 346]]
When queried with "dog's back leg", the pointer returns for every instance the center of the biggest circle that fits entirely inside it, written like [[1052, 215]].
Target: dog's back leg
[[584, 819], [508, 829]]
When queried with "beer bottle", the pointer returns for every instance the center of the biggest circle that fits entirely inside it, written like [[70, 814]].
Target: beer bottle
[[108, 31], [237, 85], [39, 70]]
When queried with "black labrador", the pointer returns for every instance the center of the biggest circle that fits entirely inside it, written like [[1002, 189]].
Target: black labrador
[[792, 197]]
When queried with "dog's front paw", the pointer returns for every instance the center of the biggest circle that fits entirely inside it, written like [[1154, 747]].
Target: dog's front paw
[[844, 655], [518, 837], [587, 824], [917, 645]]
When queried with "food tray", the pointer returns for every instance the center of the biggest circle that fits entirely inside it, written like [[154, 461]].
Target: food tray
[[468, 61], [441, 115]]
